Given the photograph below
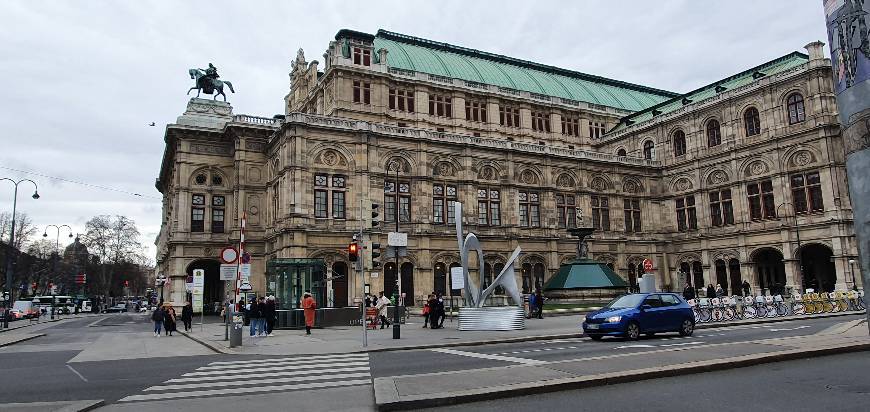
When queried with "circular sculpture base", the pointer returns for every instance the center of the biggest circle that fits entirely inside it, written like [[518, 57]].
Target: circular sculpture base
[[492, 318]]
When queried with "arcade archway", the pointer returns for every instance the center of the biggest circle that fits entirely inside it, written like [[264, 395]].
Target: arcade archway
[[213, 286], [770, 270], [818, 269]]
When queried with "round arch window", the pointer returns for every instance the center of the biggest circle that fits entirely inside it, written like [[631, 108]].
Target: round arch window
[[200, 179]]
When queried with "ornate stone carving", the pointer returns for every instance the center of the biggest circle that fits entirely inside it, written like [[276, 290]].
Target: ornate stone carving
[[598, 184], [528, 177], [682, 184], [486, 173], [444, 169], [207, 107], [209, 149], [631, 186], [332, 158], [717, 177], [756, 168], [802, 158], [565, 180]]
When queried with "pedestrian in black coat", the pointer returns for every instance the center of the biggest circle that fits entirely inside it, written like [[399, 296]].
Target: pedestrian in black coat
[[689, 292], [187, 316], [711, 291]]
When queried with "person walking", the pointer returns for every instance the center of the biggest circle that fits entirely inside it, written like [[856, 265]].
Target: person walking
[[427, 310], [157, 317], [711, 291], [187, 316], [168, 320], [441, 313], [532, 306], [269, 315], [383, 303], [255, 314], [746, 288], [689, 292], [539, 301], [308, 306]]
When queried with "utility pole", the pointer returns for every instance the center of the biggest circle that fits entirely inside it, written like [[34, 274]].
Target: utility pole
[[11, 256]]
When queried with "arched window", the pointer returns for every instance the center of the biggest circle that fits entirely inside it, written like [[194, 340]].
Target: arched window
[[795, 104], [679, 143], [714, 133], [752, 121], [527, 278], [620, 152], [539, 276], [648, 150]]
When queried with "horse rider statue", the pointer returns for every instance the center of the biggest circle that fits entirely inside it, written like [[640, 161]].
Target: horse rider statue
[[207, 82]]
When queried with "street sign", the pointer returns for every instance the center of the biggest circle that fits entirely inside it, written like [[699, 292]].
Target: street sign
[[246, 258], [198, 281], [374, 274], [245, 270], [457, 278], [647, 265], [245, 287], [397, 239], [229, 254], [228, 272]]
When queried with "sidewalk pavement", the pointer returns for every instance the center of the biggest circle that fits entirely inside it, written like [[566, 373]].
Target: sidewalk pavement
[[413, 336], [454, 387], [27, 331]]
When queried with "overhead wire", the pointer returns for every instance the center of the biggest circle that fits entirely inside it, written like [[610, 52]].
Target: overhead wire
[[112, 189]]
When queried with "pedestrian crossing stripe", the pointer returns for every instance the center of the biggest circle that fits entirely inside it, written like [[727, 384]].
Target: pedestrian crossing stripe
[[266, 375]]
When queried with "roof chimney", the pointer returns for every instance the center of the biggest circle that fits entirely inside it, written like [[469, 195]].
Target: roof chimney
[[815, 50]]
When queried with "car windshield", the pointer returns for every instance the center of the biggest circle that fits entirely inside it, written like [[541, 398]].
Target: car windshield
[[627, 301]]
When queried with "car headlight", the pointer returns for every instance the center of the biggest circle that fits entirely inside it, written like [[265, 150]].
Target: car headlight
[[614, 319]]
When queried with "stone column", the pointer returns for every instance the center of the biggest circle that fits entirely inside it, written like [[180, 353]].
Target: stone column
[[853, 99]]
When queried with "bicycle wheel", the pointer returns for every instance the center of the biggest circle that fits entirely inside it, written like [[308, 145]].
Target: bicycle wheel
[[705, 315], [729, 314], [781, 309], [697, 314], [749, 312], [844, 306], [798, 308], [760, 311], [771, 311], [827, 306]]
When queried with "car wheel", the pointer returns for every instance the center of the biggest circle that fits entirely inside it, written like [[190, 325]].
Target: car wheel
[[632, 331], [687, 328], [595, 337]]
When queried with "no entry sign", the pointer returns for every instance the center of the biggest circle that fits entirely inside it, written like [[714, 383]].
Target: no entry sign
[[229, 254]]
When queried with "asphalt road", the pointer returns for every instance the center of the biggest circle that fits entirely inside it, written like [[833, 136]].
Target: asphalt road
[[426, 361], [831, 383]]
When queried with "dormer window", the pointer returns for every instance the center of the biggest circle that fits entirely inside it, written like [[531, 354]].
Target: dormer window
[[362, 56]]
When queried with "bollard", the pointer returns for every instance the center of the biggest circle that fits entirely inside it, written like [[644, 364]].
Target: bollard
[[236, 330]]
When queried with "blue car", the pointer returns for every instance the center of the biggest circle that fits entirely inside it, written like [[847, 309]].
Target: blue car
[[648, 313]]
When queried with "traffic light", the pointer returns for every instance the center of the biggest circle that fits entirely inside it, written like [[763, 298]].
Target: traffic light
[[375, 214], [353, 251], [375, 254]]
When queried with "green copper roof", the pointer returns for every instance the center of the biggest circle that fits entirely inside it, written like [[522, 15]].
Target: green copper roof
[[584, 274], [426, 56], [754, 74]]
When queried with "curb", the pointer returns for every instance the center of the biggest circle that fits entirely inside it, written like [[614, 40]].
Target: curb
[[32, 324], [71, 406], [21, 339], [215, 348], [556, 385], [775, 320]]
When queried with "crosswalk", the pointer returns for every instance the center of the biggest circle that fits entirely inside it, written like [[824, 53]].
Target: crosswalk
[[231, 378]]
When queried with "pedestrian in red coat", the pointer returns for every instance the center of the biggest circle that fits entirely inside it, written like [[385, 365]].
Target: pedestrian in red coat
[[308, 306]]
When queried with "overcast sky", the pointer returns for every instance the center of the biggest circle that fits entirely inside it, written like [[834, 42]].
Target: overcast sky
[[81, 80]]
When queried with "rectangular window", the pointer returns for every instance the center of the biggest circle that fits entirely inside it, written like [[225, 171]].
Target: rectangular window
[[761, 201], [566, 206], [404, 201], [362, 56], [721, 211], [806, 192], [440, 105], [475, 111], [571, 126], [320, 207], [541, 122], [197, 219], [217, 220], [631, 207], [600, 212], [687, 217], [402, 100], [488, 207], [508, 116], [362, 92], [198, 200], [596, 129], [323, 185], [338, 205], [443, 199], [530, 209]]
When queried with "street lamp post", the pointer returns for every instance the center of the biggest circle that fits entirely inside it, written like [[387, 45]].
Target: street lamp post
[[161, 280], [852, 271], [798, 236], [10, 257], [397, 331], [56, 244]]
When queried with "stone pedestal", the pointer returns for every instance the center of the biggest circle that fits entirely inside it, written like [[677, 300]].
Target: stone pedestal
[[205, 113]]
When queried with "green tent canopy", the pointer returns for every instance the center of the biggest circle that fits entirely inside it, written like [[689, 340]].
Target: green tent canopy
[[585, 274]]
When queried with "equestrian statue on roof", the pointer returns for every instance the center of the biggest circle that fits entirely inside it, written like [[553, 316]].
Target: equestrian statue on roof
[[207, 82]]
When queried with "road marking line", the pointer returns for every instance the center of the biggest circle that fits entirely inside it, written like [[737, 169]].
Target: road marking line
[[299, 358], [94, 323], [785, 329], [234, 382], [634, 346], [264, 375], [298, 361], [487, 356], [681, 344], [267, 368], [658, 346], [236, 391], [76, 372]]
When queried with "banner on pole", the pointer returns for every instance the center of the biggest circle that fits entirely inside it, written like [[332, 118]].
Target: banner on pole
[[228, 272], [457, 278]]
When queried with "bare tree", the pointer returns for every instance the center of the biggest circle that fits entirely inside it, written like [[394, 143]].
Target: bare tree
[[24, 229], [114, 240]]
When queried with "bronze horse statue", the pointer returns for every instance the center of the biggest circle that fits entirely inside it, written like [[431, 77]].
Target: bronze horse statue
[[208, 84]]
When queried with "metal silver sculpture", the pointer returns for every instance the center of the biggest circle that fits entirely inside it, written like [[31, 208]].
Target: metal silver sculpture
[[474, 316]]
